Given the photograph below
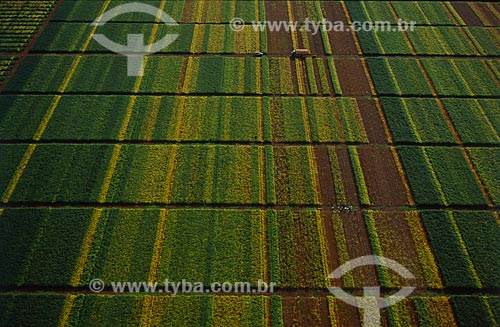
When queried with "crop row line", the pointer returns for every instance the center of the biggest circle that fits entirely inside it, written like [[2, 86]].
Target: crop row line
[[238, 206], [177, 141], [250, 94], [284, 292]]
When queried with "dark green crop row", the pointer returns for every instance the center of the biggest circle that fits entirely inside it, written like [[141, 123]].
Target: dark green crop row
[[439, 175]]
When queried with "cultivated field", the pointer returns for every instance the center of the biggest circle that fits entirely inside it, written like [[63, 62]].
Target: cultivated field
[[218, 166]]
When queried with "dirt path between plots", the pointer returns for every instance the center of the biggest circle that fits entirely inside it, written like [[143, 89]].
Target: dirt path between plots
[[327, 189], [381, 176], [278, 43], [353, 80], [467, 14], [372, 122], [484, 11], [340, 42]]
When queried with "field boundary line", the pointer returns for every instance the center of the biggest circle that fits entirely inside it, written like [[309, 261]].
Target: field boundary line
[[381, 272], [322, 245], [264, 246], [306, 119], [495, 214], [158, 246], [313, 168], [353, 33], [402, 175], [153, 119], [359, 176], [87, 243], [487, 118], [477, 177], [19, 172], [146, 311], [436, 180], [175, 150], [463, 246], [293, 33], [424, 253], [262, 175], [109, 173], [381, 114], [258, 72], [67, 308], [454, 14], [342, 248], [260, 108]]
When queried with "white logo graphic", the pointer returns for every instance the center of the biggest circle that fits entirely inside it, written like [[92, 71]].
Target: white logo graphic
[[135, 50], [371, 302]]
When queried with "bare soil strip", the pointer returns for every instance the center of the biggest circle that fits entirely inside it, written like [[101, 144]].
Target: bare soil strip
[[327, 190], [373, 125], [382, 178], [352, 77], [467, 14]]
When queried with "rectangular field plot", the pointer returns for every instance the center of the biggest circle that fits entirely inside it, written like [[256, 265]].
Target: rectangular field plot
[[187, 174], [487, 161], [423, 12], [41, 246], [12, 156], [383, 42], [41, 73], [442, 40], [196, 119], [300, 243], [440, 175], [486, 40], [67, 173], [121, 249], [222, 75], [461, 77], [416, 120], [295, 175], [21, 115], [400, 236], [375, 172], [472, 122], [398, 76], [213, 245], [77, 37], [451, 255]]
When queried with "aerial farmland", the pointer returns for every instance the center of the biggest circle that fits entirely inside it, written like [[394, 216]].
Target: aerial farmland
[[249, 163]]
